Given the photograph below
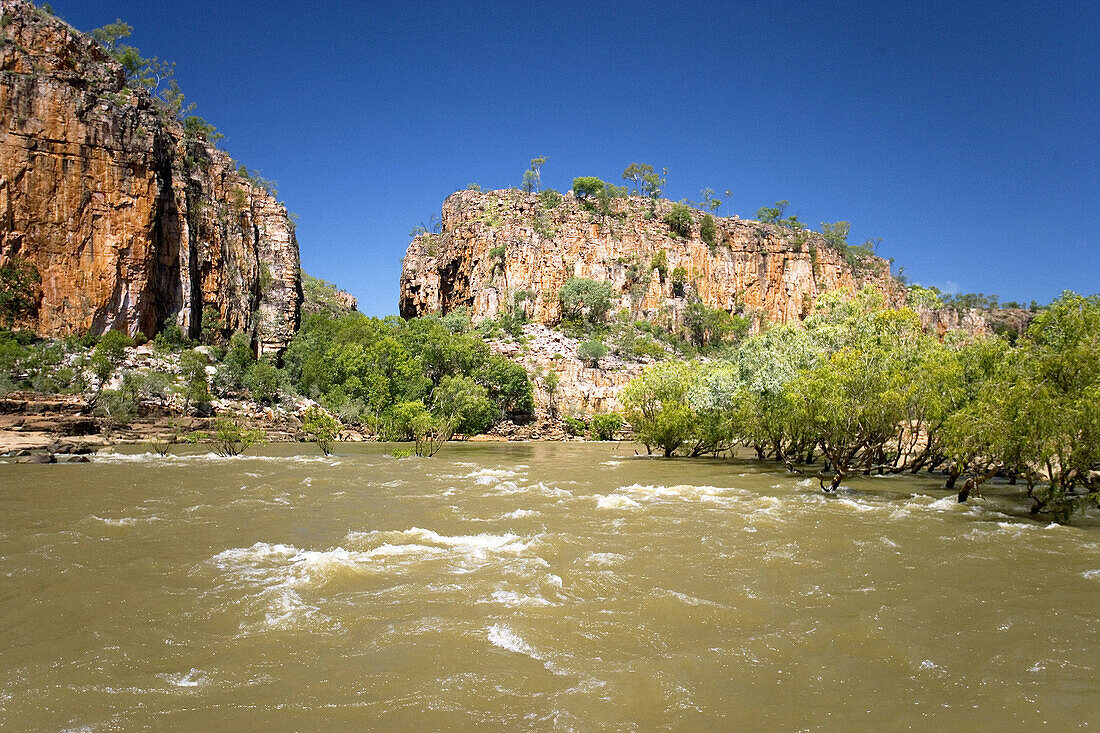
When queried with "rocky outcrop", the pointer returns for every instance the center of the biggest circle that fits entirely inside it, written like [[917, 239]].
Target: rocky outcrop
[[131, 223], [496, 244]]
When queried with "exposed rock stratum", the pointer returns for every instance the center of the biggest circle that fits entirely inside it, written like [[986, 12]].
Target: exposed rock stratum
[[131, 223]]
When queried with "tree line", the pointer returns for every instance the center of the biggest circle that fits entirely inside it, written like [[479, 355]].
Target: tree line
[[861, 388]]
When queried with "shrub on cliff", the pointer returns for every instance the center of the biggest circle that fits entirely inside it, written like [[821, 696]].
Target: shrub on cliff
[[19, 281], [660, 264], [708, 232], [584, 298], [550, 199], [679, 220], [590, 352], [586, 186]]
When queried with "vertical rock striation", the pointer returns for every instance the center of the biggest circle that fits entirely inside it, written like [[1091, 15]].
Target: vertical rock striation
[[131, 223], [496, 244]]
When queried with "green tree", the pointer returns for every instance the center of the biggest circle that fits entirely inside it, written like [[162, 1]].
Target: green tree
[[836, 234], [591, 352], [772, 214], [320, 427], [530, 182], [262, 382], [708, 231], [584, 298], [604, 426], [587, 186], [679, 220], [232, 436], [710, 201], [194, 387], [636, 174], [660, 264], [536, 169], [1038, 412], [115, 408], [657, 406], [653, 184], [464, 405], [19, 281], [108, 354]]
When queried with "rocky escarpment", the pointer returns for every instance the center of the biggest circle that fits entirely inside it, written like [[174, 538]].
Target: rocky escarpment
[[131, 223], [496, 244]]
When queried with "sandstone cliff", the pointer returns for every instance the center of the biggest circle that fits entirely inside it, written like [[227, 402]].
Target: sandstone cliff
[[495, 244], [131, 223]]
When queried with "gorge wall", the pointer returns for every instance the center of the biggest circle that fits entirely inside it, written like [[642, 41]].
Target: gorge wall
[[495, 244], [131, 223]]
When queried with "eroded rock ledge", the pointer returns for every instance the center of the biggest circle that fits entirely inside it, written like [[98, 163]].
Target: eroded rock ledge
[[495, 244]]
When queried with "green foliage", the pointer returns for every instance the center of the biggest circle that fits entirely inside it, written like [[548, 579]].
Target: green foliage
[[457, 321], [708, 327], [115, 408], [679, 220], [836, 235], [464, 405], [371, 370], [108, 354], [710, 201], [231, 436], [590, 352], [262, 380], [171, 338], [574, 425], [239, 359], [660, 264], [1036, 411], [584, 298], [530, 182], [212, 326], [194, 388], [196, 128], [708, 232], [320, 427], [772, 214], [606, 425], [587, 186], [19, 281], [399, 422], [656, 405], [550, 199]]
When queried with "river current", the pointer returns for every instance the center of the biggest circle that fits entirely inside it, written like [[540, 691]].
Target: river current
[[531, 587]]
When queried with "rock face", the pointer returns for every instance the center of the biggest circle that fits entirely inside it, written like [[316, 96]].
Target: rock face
[[496, 244], [131, 223]]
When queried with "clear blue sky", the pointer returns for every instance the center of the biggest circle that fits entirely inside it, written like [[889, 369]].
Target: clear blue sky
[[965, 134]]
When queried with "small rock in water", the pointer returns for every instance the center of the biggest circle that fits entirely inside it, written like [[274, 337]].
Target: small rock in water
[[40, 458]]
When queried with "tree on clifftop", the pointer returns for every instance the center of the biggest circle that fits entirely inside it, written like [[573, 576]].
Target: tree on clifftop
[[636, 173]]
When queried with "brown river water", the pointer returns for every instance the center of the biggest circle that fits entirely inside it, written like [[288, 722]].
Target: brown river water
[[531, 587]]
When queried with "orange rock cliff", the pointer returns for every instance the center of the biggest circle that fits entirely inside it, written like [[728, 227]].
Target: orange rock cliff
[[495, 244], [131, 223]]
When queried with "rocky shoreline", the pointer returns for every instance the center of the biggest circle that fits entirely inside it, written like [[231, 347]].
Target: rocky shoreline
[[45, 428]]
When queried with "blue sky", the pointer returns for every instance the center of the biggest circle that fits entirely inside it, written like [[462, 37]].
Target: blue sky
[[965, 135]]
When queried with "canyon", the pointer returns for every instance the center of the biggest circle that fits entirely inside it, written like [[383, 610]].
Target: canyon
[[132, 220]]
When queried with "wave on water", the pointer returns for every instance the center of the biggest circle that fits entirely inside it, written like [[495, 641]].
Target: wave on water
[[183, 459], [282, 576], [194, 678], [503, 637]]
